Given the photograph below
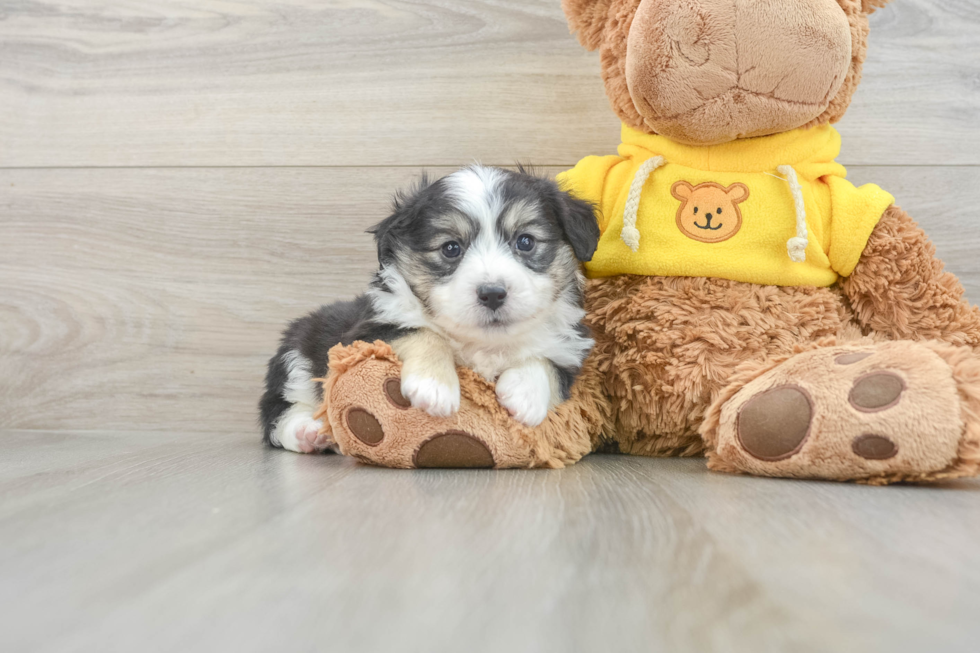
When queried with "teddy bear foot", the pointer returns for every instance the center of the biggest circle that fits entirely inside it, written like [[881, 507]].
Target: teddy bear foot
[[875, 413], [372, 421], [377, 425]]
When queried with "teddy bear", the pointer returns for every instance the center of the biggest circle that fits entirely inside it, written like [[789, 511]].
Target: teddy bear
[[748, 303]]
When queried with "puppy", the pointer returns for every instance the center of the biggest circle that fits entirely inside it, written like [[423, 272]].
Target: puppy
[[479, 269]]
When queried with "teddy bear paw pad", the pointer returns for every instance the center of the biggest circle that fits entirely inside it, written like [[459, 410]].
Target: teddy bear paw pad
[[365, 427], [886, 410], [454, 449], [876, 391], [393, 391], [874, 447], [774, 424], [851, 358]]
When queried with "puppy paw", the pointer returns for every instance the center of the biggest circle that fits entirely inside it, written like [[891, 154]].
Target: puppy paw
[[434, 397], [526, 393], [301, 433]]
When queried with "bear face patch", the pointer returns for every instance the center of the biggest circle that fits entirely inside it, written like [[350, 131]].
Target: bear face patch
[[709, 212]]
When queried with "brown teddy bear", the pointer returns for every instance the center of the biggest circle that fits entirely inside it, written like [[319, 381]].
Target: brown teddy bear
[[747, 301]]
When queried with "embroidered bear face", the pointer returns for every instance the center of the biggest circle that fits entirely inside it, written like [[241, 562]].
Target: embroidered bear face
[[709, 212]]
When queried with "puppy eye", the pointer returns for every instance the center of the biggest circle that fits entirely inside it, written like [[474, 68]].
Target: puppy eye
[[695, 210], [719, 211], [451, 249], [525, 242]]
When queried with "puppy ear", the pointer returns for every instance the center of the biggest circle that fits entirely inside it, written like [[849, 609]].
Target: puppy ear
[[578, 220], [384, 236], [587, 19], [404, 209]]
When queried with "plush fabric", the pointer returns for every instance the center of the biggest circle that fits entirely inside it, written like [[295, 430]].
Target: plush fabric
[[369, 420], [859, 363], [666, 346], [712, 71], [914, 433], [605, 25], [839, 216], [901, 290]]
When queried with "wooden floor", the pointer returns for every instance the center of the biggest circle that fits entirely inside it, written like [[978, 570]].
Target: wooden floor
[[180, 177], [202, 542]]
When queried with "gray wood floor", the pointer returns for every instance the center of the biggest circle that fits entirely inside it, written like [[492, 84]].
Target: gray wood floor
[[180, 177], [202, 542]]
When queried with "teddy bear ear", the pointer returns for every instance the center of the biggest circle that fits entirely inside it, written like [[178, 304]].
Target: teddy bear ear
[[587, 19], [737, 193], [682, 190], [870, 5]]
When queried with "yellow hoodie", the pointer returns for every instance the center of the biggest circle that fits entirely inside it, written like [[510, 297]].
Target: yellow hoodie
[[770, 210]]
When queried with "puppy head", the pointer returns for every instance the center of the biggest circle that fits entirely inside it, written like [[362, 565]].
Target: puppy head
[[486, 250]]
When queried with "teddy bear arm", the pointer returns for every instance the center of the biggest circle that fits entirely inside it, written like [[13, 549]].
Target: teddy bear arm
[[901, 290]]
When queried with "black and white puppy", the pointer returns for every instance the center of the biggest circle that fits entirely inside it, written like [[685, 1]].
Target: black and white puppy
[[479, 269]]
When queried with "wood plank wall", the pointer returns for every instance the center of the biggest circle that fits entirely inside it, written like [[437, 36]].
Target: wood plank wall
[[179, 178]]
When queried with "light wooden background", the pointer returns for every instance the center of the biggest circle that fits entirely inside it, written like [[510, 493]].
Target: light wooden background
[[179, 178]]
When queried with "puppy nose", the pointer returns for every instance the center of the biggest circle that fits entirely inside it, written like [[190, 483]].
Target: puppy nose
[[491, 296]]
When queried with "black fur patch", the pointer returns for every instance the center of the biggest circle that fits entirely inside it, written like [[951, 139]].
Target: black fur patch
[[313, 336], [410, 225], [566, 378], [575, 218]]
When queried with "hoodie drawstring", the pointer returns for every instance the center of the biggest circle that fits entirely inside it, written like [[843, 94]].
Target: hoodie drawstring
[[630, 234], [796, 246]]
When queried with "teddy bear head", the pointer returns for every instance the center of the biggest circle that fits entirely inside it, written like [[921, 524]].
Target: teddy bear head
[[705, 72]]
